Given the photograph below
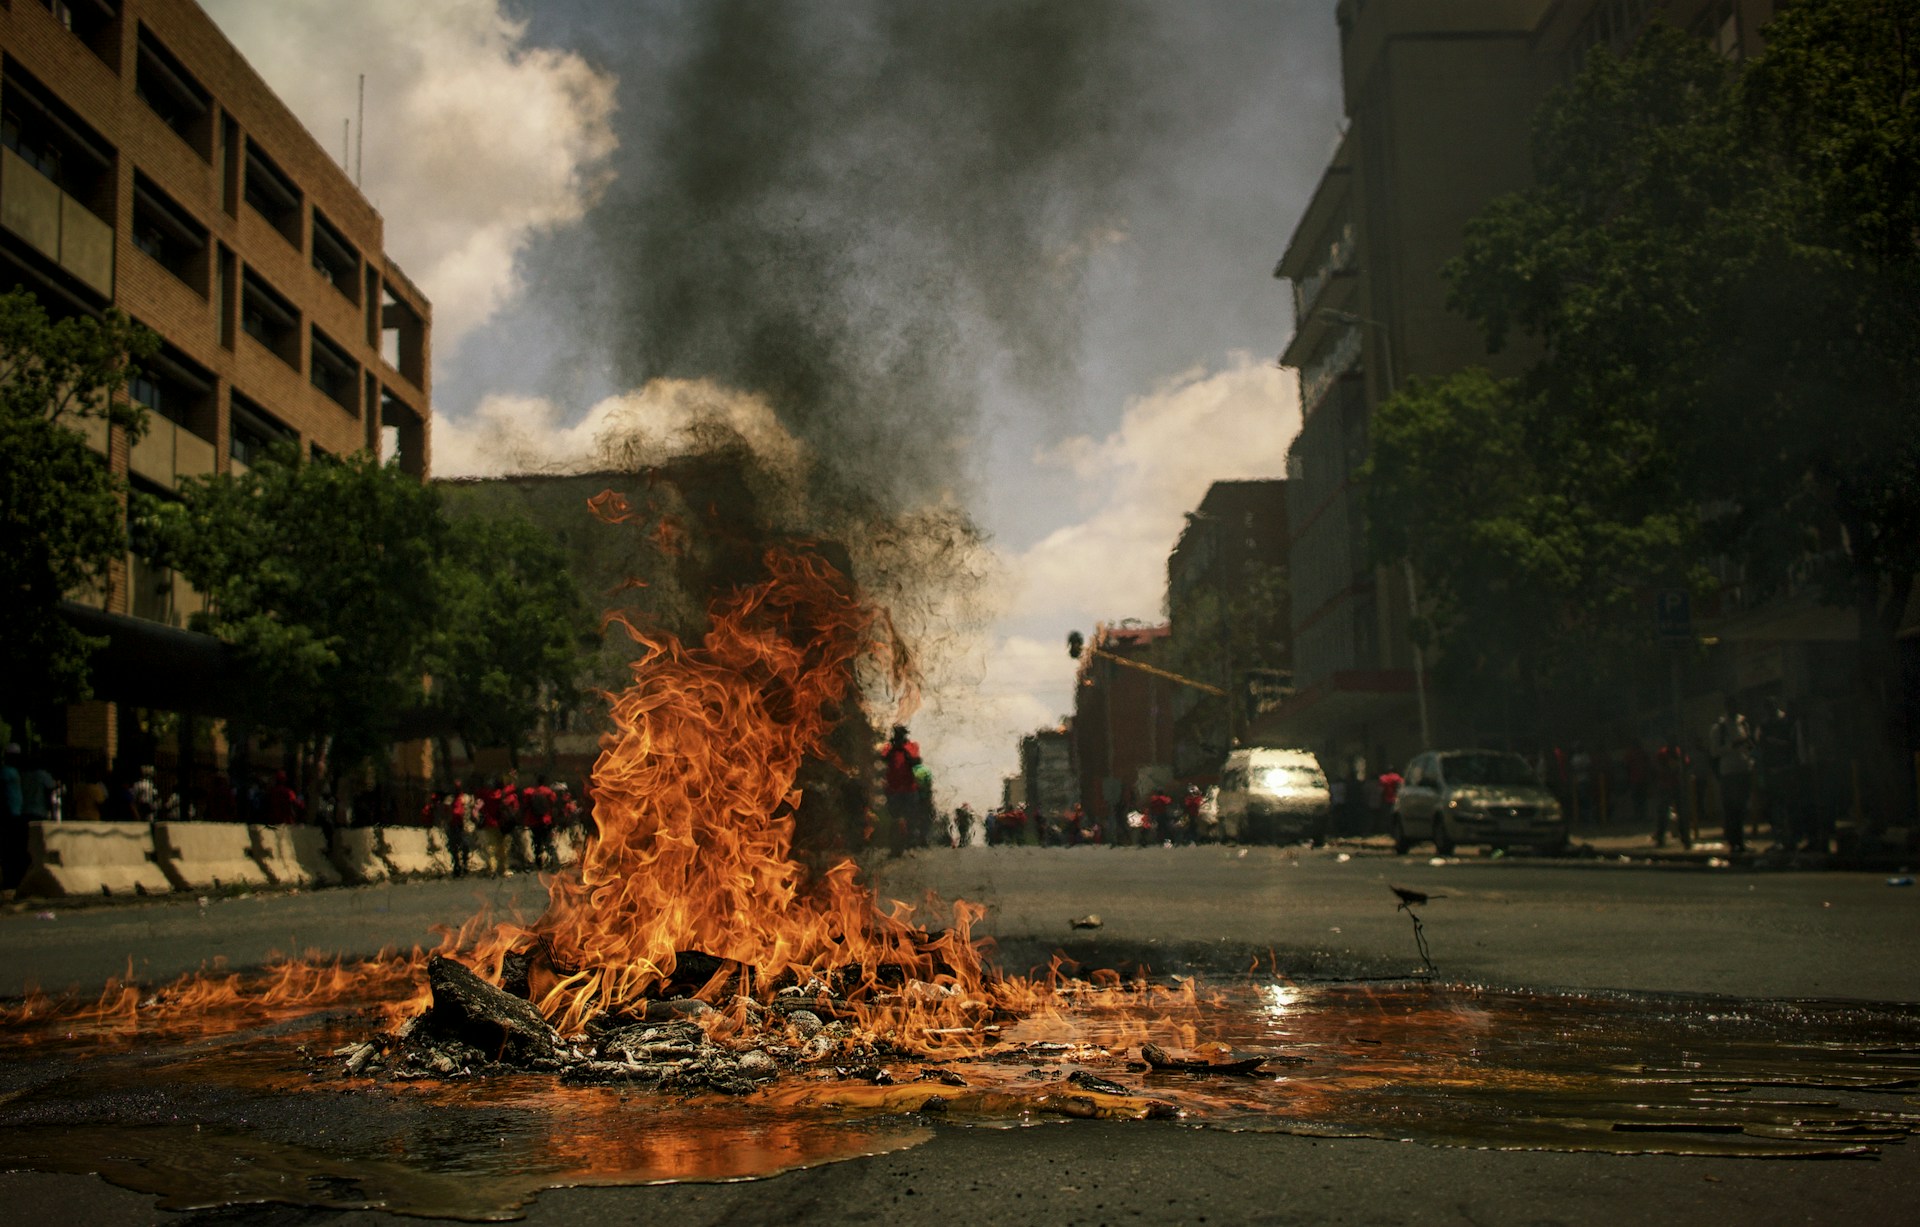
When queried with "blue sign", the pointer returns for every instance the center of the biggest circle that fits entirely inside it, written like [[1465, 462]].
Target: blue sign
[[1673, 614]]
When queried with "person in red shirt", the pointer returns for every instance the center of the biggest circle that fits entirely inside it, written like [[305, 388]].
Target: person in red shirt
[[537, 809], [1390, 781], [284, 806], [494, 828], [1191, 804], [900, 756]]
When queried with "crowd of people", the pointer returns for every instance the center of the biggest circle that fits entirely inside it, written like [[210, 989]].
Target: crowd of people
[[492, 816], [483, 820]]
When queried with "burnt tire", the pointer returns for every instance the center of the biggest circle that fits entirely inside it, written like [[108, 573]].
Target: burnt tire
[[1442, 842], [1402, 842]]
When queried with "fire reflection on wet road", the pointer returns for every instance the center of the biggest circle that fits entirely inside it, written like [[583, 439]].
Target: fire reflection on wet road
[[262, 1114]]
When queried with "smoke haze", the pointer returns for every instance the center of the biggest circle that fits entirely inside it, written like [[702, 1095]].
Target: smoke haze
[[866, 213]]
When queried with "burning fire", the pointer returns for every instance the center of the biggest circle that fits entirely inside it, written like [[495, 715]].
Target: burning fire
[[695, 801]]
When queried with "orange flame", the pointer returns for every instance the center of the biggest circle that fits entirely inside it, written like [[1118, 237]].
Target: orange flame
[[694, 797]]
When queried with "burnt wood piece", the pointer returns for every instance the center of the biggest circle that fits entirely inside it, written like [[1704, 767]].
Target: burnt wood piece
[[1166, 1063], [514, 969], [504, 1027], [1094, 1082]]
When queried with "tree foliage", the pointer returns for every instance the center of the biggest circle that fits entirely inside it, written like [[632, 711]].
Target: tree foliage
[[507, 647], [323, 574], [61, 521], [1717, 267], [345, 587]]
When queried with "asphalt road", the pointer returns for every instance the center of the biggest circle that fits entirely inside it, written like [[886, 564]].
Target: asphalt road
[[1546, 924]]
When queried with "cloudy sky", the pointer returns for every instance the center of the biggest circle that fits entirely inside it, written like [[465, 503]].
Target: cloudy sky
[[1009, 255]]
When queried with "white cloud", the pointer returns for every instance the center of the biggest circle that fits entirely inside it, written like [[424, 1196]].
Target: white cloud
[[474, 141], [1133, 486], [1137, 482]]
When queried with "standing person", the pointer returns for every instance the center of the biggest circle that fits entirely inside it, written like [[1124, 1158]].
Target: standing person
[[1635, 765], [1730, 748], [36, 792], [963, 826], [494, 828], [1160, 816], [90, 798], [537, 805], [451, 812], [1777, 752], [146, 797], [1390, 782], [900, 756], [1669, 793], [284, 806], [222, 805]]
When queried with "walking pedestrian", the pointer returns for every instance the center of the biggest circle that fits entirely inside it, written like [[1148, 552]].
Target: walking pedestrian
[[1730, 746]]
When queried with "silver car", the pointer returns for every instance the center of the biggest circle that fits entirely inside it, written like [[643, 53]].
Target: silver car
[[1488, 797]]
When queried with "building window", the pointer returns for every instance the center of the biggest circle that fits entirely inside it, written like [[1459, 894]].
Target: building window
[[335, 259], [253, 433], [271, 194], [170, 92], [93, 22], [169, 234], [56, 142], [335, 373], [269, 318]]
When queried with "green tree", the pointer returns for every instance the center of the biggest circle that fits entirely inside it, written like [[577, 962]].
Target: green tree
[[324, 574], [61, 520], [1530, 567], [1718, 263], [506, 651]]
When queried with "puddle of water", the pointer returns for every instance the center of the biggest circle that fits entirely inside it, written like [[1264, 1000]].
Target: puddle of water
[[261, 1115]]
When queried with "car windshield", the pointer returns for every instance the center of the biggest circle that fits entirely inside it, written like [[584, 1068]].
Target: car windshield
[[1503, 770], [1285, 779]]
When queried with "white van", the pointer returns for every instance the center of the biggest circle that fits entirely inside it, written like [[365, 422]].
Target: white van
[[1270, 796]]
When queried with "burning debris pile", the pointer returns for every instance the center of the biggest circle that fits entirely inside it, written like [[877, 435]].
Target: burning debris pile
[[474, 1026], [691, 949]]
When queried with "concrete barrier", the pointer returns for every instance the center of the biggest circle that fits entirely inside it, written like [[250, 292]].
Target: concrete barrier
[[294, 856], [416, 852], [206, 855], [356, 850], [92, 858]]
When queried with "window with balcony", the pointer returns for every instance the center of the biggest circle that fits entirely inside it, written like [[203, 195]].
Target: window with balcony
[[335, 373], [253, 433], [56, 142], [94, 22], [169, 234], [267, 317], [335, 259], [170, 91], [271, 194]]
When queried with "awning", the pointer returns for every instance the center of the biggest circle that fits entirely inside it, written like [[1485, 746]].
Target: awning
[[147, 664]]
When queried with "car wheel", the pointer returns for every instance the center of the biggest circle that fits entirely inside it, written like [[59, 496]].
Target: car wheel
[[1402, 842], [1442, 842]]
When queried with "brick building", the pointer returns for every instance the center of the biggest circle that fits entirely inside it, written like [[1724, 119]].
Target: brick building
[[146, 166], [1122, 725], [1229, 620]]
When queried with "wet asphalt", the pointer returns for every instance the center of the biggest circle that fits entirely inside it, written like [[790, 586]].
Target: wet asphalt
[[1598, 923]]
